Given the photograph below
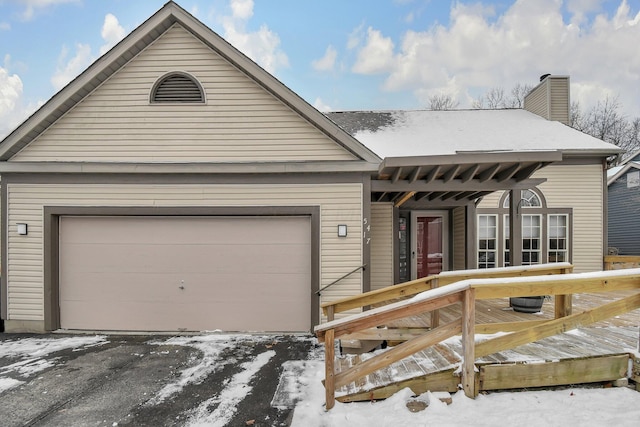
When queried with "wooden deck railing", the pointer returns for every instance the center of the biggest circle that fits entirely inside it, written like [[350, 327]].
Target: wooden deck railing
[[617, 262], [414, 287], [467, 292]]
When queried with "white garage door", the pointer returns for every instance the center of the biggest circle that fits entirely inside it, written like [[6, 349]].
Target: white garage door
[[185, 273]]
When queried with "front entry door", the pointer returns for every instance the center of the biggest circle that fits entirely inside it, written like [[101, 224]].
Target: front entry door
[[429, 243]]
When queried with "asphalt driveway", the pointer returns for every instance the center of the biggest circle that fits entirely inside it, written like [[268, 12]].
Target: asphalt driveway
[[108, 380]]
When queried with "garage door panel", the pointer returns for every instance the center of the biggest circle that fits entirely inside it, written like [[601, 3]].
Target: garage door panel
[[188, 258], [198, 283]]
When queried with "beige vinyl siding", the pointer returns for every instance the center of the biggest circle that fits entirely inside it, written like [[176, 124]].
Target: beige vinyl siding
[[382, 243], [536, 100], [339, 204], [560, 100], [492, 200], [459, 246], [550, 99], [579, 187], [240, 122]]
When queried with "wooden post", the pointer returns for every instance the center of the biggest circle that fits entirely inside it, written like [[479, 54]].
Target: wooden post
[[563, 305], [468, 343], [515, 228], [329, 371], [331, 310], [435, 314]]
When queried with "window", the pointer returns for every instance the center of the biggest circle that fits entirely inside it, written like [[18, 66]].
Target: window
[[528, 199], [487, 241], [505, 241], [557, 235], [531, 239], [546, 232], [177, 87]]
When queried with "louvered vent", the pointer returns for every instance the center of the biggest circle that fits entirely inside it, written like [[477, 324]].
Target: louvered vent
[[177, 88]]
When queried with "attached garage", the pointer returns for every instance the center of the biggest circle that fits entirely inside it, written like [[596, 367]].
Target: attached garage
[[214, 208], [185, 273]]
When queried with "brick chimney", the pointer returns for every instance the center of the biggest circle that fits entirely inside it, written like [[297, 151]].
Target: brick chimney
[[550, 99]]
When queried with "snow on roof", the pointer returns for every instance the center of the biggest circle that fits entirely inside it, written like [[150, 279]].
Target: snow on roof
[[617, 171], [426, 132]]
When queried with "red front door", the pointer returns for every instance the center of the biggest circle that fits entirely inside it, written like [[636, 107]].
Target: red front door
[[429, 250]]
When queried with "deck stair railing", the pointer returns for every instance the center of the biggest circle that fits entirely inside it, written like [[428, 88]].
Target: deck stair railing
[[467, 292], [322, 289], [407, 289]]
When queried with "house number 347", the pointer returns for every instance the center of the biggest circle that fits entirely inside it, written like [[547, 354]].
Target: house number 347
[[367, 231]]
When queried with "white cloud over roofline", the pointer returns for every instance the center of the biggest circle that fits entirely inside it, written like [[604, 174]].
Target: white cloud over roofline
[[532, 37], [262, 46], [69, 68]]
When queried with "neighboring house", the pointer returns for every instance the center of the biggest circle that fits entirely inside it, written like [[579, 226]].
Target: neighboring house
[[177, 186], [624, 206]]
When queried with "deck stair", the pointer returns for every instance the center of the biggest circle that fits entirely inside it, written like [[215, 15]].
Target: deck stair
[[589, 355], [469, 353]]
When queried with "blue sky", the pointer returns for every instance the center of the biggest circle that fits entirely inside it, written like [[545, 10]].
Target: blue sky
[[346, 55]]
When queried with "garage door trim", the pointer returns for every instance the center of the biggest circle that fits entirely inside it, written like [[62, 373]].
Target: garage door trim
[[51, 238]]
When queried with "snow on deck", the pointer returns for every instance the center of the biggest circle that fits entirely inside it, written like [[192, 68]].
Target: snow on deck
[[576, 344]]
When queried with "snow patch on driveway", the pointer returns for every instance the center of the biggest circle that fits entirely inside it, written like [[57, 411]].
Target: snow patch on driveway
[[235, 391], [31, 352], [211, 346]]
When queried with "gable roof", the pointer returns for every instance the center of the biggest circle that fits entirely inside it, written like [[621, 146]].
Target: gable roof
[[138, 40]]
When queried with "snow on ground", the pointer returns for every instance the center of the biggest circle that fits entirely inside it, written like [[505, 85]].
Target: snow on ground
[[567, 407], [303, 386], [31, 351], [301, 383]]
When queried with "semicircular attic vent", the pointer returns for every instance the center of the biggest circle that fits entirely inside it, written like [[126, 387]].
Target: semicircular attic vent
[[177, 87]]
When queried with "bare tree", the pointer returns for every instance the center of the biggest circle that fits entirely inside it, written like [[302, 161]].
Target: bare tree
[[496, 98], [518, 92], [576, 117], [442, 102], [605, 121]]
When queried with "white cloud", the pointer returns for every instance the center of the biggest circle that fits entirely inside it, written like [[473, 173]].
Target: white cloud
[[10, 91], [376, 56], [355, 37], [262, 46], [112, 32], [478, 50], [328, 61], [32, 6], [12, 108], [68, 69], [321, 106], [5, 26], [242, 9]]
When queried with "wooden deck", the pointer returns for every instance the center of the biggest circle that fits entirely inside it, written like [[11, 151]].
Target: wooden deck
[[498, 311], [598, 353]]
